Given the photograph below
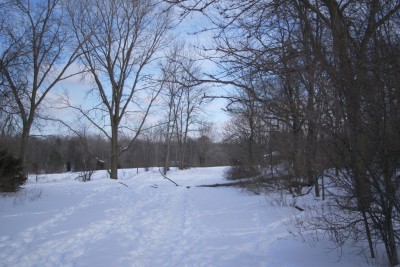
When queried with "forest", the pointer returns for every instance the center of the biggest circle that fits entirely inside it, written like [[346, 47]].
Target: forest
[[312, 90]]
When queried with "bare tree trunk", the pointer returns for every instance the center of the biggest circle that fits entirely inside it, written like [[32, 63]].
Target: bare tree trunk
[[183, 148], [311, 46], [390, 194], [311, 146], [23, 147], [114, 151], [166, 161], [348, 86], [168, 142], [251, 117], [368, 234], [295, 132], [27, 121], [390, 244]]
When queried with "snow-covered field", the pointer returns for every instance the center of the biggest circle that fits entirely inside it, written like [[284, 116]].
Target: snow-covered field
[[145, 220]]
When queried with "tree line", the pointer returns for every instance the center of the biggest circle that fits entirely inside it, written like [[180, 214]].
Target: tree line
[[56, 154]]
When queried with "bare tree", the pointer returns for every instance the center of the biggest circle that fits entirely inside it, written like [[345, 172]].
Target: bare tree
[[184, 97], [35, 55], [125, 37], [189, 113], [172, 96]]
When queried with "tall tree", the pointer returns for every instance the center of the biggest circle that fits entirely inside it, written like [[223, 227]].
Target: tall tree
[[172, 97], [184, 97], [125, 37], [35, 52]]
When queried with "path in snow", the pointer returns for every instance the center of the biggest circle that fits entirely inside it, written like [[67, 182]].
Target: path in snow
[[105, 223]]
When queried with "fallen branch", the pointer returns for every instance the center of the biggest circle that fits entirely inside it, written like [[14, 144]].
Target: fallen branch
[[224, 184], [123, 184], [168, 178], [297, 207]]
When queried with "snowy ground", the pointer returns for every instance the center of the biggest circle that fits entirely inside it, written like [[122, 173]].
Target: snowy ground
[[58, 221]]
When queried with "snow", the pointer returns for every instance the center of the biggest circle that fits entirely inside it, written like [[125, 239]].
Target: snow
[[148, 221]]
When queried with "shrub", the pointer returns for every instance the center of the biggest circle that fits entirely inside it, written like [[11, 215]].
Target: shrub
[[85, 175], [11, 172], [241, 172]]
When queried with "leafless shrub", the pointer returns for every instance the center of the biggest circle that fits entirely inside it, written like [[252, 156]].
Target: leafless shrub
[[85, 175]]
